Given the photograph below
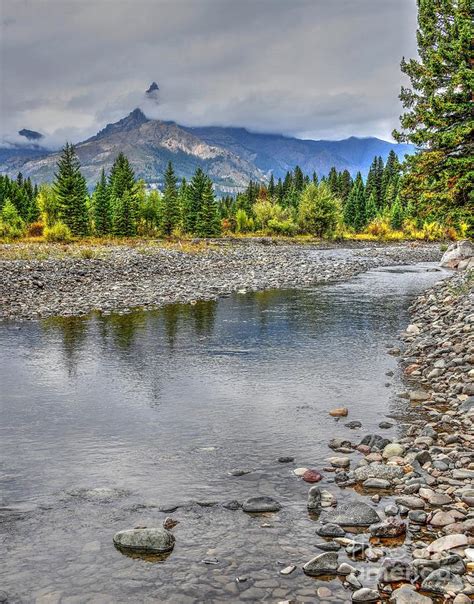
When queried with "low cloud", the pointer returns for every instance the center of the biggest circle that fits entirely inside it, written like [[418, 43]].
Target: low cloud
[[309, 68]]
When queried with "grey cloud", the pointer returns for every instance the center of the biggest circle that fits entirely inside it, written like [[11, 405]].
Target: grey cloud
[[309, 68]]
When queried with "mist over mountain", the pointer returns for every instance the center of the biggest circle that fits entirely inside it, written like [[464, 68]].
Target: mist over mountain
[[231, 156]]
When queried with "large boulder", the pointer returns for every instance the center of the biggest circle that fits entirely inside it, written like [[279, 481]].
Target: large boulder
[[356, 513], [146, 540], [457, 253]]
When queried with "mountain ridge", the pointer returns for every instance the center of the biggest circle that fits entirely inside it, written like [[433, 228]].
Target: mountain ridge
[[230, 155]]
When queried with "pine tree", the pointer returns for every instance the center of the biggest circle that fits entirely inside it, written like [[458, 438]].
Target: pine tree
[[101, 206], [439, 118], [122, 177], [287, 183], [124, 218], [271, 186], [194, 200], [208, 221], [71, 191], [390, 174], [183, 193], [345, 185], [298, 179], [315, 178], [396, 215], [279, 192], [333, 181], [170, 216], [371, 208], [354, 210]]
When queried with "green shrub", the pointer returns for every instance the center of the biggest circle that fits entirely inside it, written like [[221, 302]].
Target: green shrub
[[379, 227], [11, 224], [243, 224], [282, 227], [432, 231], [58, 232], [319, 211]]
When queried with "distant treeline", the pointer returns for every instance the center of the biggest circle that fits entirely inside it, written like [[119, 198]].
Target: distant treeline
[[336, 205]]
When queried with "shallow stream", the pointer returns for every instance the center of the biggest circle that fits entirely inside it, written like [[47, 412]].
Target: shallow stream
[[107, 419]]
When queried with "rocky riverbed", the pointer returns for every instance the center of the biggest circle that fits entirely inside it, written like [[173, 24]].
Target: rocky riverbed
[[66, 281], [426, 477]]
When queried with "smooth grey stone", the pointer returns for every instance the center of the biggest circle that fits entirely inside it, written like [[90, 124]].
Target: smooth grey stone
[[261, 504], [157, 540], [323, 564], [356, 513]]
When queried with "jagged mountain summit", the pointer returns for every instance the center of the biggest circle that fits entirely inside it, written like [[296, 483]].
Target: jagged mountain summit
[[31, 135], [231, 156]]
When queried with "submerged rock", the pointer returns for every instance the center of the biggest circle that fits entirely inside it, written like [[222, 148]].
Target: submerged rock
[[153, 540], [261, 504], [312, 476]]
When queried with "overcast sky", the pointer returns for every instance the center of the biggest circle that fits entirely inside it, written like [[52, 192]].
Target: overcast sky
[[309, 68]]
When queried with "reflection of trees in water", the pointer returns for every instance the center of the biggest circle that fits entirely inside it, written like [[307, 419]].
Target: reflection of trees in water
[[141, 344], [125, 327], [203, 315], [136, 340], [73, 331]]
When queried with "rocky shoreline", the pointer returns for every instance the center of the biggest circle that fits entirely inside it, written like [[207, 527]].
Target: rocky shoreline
[[429, 473], [64, 281]]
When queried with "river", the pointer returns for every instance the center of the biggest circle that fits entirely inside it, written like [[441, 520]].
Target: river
[[107, 419]]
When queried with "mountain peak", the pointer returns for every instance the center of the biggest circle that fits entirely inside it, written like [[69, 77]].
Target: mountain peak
[[135, 116], [153, 88], [31, 135], [133, 120]]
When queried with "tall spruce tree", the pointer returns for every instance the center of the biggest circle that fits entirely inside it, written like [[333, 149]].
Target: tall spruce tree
[[371, 208], [170, 217], [271, 186], [122, 177], [333, 181], [345, 185], [439, 119], [354, 209], [208, 220], [298, 179], [101, 206], [71, 192], [194, 200], [124, 217]]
